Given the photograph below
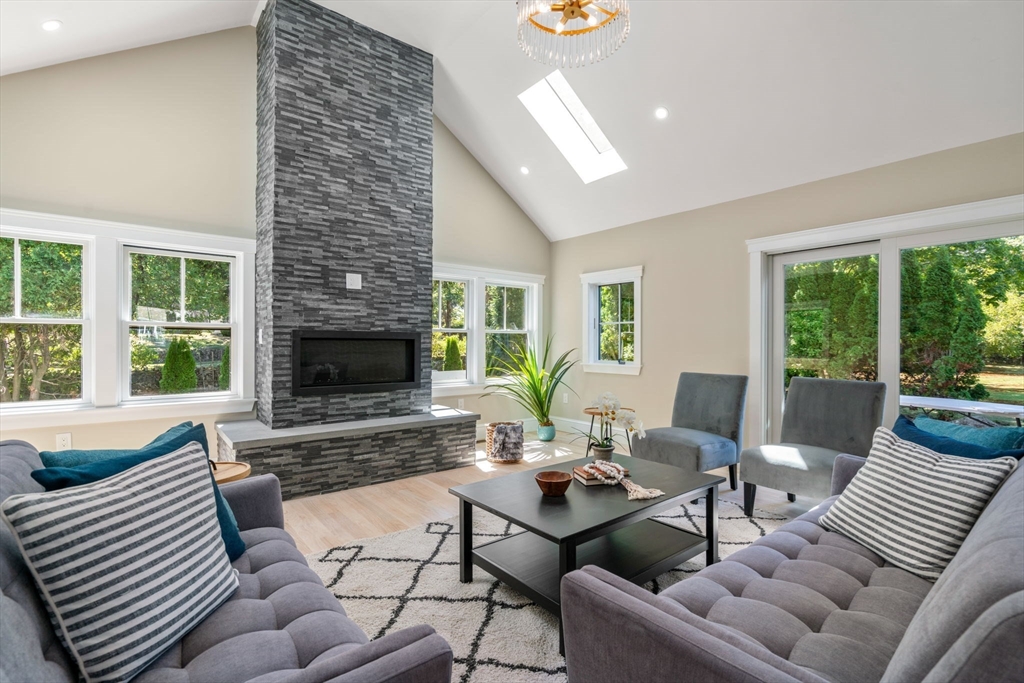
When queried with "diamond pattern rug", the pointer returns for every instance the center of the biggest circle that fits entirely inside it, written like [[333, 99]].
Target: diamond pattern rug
[[412, 577]]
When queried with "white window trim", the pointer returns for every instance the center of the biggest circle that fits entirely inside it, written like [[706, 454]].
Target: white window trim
[[590, 282], [963, 222], [476, 280], [103, 397]]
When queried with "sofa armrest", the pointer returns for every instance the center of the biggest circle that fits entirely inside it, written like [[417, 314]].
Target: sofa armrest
[[413, 655], [843, 471], [256, 502], [615, 631]]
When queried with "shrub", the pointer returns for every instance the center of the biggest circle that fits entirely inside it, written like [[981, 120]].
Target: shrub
[[452, 357], [179, 372], [224, 381]]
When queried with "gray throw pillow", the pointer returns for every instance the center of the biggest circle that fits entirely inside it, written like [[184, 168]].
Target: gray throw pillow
[[913, 506], [127, 565]]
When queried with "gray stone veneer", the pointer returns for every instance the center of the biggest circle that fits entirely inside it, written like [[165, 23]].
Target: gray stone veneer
[[309, 468], [344, 149]]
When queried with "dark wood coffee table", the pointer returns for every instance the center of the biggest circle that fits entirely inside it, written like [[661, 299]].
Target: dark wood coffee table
[[589, 525]]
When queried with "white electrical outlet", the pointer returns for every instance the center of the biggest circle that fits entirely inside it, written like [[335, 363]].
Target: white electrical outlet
[[64, 441], [565, 397], [462, 403]]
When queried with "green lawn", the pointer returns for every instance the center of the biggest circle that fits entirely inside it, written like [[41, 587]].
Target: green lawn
[[1005, 383]]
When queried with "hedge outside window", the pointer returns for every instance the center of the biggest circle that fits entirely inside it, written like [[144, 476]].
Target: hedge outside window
[[505, 324], [180, 323], [449, 335], [41, 320]]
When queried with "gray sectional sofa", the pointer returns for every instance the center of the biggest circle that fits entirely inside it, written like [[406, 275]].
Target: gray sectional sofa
[[281, 626], [805, 604]]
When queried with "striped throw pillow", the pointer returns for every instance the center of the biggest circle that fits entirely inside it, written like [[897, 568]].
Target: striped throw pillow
[[913, 506], [129, 564]]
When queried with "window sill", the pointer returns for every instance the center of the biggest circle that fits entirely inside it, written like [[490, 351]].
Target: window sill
[[441, 390], [33, 417], [613, 368]]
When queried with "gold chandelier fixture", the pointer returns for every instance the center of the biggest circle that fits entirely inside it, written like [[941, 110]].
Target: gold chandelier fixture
[[573, 32]]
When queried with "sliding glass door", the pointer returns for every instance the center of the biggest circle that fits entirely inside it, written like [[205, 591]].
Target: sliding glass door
[[939, 317], [825, 318]]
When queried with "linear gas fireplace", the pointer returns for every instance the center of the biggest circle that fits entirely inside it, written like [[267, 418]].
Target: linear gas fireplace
[[350, 362]]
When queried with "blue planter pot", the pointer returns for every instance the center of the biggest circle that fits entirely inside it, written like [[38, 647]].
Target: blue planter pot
[[546, 432]]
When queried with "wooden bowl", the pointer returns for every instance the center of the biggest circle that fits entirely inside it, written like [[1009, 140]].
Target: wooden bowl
[[553, 483]]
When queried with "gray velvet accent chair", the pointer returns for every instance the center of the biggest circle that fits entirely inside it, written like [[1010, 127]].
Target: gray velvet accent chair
[[280, 626], [822, 418], [707, 425], [807, 605]]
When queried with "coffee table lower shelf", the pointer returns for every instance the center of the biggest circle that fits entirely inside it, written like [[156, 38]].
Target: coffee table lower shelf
[[638, 553]]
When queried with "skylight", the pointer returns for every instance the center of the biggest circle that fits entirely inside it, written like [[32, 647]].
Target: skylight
[[561, 114]]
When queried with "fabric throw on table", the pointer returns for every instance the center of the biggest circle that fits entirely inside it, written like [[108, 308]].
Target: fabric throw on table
[[913, 506], [127, 565]]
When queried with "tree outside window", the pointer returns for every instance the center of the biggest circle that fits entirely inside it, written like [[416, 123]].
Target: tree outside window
[[40, 320], [505, 325], [449, 333], [962, 321], [616, 324]]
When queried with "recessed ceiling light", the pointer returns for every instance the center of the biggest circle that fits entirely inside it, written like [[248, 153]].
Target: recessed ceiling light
[[661, 113], [52, 25], [524, 170]]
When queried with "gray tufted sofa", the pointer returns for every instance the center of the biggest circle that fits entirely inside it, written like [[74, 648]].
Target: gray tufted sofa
[[281, 626], [805, 604]]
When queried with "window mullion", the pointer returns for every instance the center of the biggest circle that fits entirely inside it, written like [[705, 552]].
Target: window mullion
[[17, 277], [181, 294]]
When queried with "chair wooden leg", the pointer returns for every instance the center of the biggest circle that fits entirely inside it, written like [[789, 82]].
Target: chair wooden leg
[[749, 492], [791, 497], [732, 476]]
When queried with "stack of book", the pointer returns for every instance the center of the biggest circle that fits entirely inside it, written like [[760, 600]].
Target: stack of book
[[588, 479]]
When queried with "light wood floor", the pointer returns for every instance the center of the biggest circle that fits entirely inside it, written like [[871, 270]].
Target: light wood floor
[[321, 522]]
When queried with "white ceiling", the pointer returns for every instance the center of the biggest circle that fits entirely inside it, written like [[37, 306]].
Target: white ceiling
[[762, 95]]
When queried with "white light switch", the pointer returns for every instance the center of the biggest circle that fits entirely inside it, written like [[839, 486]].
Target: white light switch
[[565, 397], [353, 281]]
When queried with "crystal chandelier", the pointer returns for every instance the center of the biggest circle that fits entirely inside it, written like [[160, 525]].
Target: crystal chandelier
[[573, 32]]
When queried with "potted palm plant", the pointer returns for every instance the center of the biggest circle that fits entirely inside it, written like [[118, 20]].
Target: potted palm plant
[[528, 381]]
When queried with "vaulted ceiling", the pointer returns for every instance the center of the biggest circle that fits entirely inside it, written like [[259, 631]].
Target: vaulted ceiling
[[761, 95]]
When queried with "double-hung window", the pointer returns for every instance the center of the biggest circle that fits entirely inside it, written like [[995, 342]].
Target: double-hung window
[[43, 335], [506, 330], [479, 317], [611, 321], [100, 315], [179, 323]]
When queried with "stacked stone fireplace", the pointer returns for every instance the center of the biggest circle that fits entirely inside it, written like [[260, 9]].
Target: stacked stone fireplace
[[344, 260]]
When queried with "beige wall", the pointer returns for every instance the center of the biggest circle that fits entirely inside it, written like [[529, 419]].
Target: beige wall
[[166, 136], [695, 295], [477, 224], [162, 135]]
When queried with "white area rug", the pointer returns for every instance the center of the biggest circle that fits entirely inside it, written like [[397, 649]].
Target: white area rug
[[412, 577]]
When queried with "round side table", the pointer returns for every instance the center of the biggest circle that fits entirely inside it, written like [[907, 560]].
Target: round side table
[[595, 413], [227, 471]]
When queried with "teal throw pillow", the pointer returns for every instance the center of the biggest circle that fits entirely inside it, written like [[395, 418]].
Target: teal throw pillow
[[908, 431], [76, 457], [56, 478], [996, 438]]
